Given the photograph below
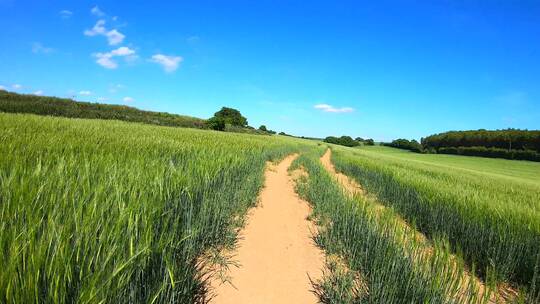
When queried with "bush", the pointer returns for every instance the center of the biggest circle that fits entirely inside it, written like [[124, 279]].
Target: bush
[[405, 144], [343, 141], [216, 123], [231, 116]]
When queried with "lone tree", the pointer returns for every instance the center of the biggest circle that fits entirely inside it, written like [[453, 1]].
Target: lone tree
[[226, 116], [263, 128]]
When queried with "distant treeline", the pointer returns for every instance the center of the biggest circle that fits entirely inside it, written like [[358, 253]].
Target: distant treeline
[[406, 144], [53, 106], [348, 141], [509, 144]]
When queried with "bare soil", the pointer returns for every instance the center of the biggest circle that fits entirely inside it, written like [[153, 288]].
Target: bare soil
[[276, 253]]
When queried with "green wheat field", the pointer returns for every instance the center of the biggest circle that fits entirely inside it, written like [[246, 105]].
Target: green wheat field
[[104, 211]]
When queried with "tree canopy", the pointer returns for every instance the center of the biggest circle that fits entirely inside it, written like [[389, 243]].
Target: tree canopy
[[227, 116], [343, 141]]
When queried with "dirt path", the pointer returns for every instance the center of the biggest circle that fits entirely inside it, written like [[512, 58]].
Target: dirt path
[[503, 294], [348, 184], [276, 253]]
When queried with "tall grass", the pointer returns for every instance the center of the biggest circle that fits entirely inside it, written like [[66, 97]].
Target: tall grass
[[493, 222], [393, 267], [113, 212]]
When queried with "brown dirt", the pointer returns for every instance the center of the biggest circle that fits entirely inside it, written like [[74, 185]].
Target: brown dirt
[[350, 186], [276, 254], [504, 292]]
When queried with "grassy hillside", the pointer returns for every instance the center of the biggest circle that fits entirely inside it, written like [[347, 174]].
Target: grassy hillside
[[52, 106], [520, 171]]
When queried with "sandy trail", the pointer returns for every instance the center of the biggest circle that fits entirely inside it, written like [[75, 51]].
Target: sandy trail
[[276, 252], [503, 294], [350, 186]]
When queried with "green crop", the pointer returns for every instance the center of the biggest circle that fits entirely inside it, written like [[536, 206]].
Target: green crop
[[114, 212], [392, 266], [491, 219]]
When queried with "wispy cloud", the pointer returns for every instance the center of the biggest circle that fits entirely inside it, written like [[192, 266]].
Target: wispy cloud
[[106, 59], [98, 29], [2, 87], [102, 99], [38, 92], [115, 88], [16, 86], [513, 98], [65, 14], [193, 39], [169, 63], [331, 109], [97, 12], [128, 99], [114, 37], [85, 93], [38, 48]]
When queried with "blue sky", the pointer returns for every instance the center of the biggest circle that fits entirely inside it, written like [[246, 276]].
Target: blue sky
[[380, 69]]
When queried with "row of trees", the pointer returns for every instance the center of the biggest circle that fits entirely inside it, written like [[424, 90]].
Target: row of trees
[[509, 139], [509, 144], [348, 141], [406, 144]]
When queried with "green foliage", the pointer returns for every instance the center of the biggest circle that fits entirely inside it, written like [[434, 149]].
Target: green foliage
[[263, 128], [97, 211], [411, 145], [216, 123], [230, 116], [509, 144], [510, 139], [52, 106], [367, 142], [343, 141], [492, 220], [384, 268], [492, 152]]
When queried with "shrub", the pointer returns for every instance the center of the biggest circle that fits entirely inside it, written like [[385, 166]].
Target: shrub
[[343, 141]]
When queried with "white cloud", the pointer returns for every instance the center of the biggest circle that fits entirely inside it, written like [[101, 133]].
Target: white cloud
[[102, 99], [114, 37], [65, 14], [38, 48], [122, 51], [38, 92], [128, 99], [85, 93], [17, 86], [97, 12], [2, 87], [106, 59], [331, 109], [98, 29], [169, 63]]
